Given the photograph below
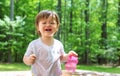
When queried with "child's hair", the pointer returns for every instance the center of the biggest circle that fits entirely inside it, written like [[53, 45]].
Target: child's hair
[[44, 14]]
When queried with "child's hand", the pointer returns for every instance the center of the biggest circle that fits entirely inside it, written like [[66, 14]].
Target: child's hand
[[72, 53], [64, 58], [32, 58]]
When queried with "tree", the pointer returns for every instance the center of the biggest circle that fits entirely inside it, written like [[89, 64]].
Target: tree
[[104, 24], [103, 41], [10, 37], [71, 16], [87, 32], [118, 21], [11, 45], [60, 16], [89, 27]]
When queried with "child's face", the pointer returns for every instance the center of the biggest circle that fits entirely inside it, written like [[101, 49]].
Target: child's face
[[48, 27]]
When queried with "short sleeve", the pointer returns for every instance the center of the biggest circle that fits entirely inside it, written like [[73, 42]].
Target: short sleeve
[[29, 50], [62, 52]]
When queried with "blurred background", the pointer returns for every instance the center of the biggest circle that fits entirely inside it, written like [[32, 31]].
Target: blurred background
[[89, 27]]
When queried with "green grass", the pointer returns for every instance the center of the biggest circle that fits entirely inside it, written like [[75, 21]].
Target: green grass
[[13, 67], [99, 68], [22, 66]]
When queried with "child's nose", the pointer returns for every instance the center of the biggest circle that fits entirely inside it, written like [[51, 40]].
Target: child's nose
[[48, 24]]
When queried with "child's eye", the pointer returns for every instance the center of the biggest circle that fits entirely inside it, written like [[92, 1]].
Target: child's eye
[[52, 23], [44, 23]]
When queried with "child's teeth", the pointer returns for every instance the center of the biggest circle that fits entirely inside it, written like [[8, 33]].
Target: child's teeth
[[48, 29]]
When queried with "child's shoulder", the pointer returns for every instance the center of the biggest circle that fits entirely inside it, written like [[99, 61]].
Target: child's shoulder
[[34, 41], [58, 41]]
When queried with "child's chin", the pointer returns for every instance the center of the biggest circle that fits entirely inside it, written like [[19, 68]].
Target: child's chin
[[49, 35]]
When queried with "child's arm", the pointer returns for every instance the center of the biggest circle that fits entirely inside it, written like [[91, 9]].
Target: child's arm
[[29, 60]]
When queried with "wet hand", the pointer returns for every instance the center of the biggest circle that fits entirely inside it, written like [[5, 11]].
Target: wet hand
[[32, 58], [73, 53]]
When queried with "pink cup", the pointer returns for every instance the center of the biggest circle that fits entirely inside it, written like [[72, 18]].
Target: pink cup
[[71, 63]]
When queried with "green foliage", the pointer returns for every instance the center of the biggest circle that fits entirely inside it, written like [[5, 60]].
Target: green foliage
[[11, 35], [15, 35]]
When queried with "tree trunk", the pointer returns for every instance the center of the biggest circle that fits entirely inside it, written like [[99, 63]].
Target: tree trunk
[[10, 37], [104, 24], [65, 35], [118, 23], [39, 6], [9, 56], [71, 16], [87, 33], [2, 4], [118, 15], [59, 13], [103, 42], [11, 10]]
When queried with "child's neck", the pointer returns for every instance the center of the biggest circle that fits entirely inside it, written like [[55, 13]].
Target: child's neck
[[48, 41]]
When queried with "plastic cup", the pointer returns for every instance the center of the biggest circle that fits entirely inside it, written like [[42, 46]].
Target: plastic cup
[[71, 63]]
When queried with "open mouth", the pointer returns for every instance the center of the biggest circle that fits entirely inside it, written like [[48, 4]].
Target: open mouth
[[48, 29]]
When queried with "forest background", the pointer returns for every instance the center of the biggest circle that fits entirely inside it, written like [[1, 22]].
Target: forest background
[[89, 27]]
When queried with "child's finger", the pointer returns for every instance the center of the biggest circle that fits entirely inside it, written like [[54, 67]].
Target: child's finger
[[73, 53], [33, 56]]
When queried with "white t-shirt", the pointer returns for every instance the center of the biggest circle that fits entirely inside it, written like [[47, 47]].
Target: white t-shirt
[[47, 57]]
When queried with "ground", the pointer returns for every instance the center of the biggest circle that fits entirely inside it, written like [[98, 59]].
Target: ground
[[77, 73]]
